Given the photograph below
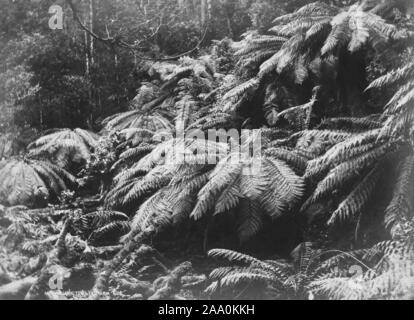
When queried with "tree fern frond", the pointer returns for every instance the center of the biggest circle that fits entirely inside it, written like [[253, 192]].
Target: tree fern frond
[[283, 58], [220, 178], [349, 124], [285, 189], [251, 219], [137, 119], [255, 59], [155, 179], [248, 86], [358, 198], [391, 78], [298, 116], [360, 32], [348, 170], [339, 35], [345, 150], [261, 43], [233, 256], [298, 25], [154, 211], [134, 154], [339, 288], [401, 204], [313, 9], [291, 157], [234, 279]]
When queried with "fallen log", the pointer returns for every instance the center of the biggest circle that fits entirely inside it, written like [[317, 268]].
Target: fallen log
[[16, 290], [193, 281], [41, 285]]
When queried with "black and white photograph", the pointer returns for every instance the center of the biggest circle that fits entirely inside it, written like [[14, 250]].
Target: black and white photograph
[[206, 154]]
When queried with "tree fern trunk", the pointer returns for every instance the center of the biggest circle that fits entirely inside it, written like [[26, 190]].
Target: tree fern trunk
[[352, 83], [87, 65]]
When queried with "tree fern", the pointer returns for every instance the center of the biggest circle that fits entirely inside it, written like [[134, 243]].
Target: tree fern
[[201, 191], [31, 182], [182, 88], [65, 146], [319, 30]]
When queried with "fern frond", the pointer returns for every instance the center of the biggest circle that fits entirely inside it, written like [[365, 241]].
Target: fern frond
[[251, 219], [349, 124], [401, 204], [317, 8], [393, 77], [158, 177], [291, 157], [345, 150], [223, 175], [348, 170], [239, 277], [339, 35], [133, 154], [233, 256], [358, 198], [154, 211], [237, 92], [261, 43], [284, 190]]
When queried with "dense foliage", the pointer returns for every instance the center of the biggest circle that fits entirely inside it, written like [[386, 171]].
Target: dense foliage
[[97, 111]]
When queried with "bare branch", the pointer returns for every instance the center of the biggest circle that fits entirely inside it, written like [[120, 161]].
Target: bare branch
[[117, 41]]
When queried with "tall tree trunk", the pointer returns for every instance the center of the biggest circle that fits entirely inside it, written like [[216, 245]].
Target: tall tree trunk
[[203, 8], [209, 9], [91, 39], [87, 64], [89, 57]]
